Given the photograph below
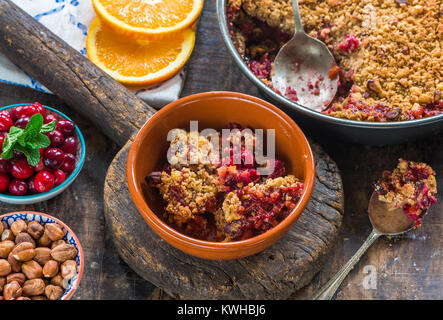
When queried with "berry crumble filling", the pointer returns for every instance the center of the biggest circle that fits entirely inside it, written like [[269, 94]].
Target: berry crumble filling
[[389, 51], [224, 200], [411, 186]]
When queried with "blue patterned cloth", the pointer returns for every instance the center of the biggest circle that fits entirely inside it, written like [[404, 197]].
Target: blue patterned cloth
[[70, 20]]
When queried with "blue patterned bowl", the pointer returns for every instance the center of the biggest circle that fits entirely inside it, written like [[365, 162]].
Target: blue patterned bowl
[[80, 160], [70, 238]]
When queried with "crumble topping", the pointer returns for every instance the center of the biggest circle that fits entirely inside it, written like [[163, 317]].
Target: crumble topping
[[389, 51], [411, 186], [187, 193]]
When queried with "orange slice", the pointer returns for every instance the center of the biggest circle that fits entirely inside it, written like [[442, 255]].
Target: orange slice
[[135, 62], [148, 18]]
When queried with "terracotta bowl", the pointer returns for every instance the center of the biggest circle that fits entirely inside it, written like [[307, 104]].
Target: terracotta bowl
[[215, 110]]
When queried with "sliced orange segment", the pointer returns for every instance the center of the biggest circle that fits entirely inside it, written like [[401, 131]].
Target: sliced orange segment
[[148, 18], [134, 62]]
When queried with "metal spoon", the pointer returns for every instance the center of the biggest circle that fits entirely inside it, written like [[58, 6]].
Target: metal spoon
[[384, 222], [301, 69]]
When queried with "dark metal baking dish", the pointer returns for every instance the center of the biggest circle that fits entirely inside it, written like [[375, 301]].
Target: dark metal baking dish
[[316, 123]]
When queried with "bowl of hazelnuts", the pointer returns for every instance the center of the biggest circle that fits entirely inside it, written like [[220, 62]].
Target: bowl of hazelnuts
[[40, 257]]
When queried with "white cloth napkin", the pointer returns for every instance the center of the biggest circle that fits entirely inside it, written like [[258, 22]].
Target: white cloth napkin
[[70, 20]]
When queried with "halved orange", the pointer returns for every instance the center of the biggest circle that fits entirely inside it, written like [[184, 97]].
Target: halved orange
[[133, 62], [153, 19]]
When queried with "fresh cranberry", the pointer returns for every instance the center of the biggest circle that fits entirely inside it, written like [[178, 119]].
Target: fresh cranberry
[[29, 110], [49, 118], [18, 187], [6, 112], [22, 122], [5, 122], [66, 127], [44, 181], [70, 145], [31, 186], [18, 154], [59, 177], [68, 163], [39, 108], [17, 113], [40, 166], [2, 139], [5, 166], [21, 169], [4, 182], [56, 138], [53, 158]]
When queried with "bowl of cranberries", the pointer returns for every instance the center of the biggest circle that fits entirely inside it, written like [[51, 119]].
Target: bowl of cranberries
[[42, 152]]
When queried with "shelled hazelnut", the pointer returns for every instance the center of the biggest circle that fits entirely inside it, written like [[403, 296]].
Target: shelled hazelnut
[[35, 262]]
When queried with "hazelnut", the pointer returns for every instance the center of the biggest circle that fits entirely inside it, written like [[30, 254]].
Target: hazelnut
[[2, 283], [7, 235], [35, 229], [2, 227], [42, 255], [68, 269], [58, 280], [24, 237], [24, 251], [54, 232], [32, 270], [12, 291], [16, 266], [23, 298], [53, 292], [57, 243], [50, 269], [5, 268], [44, 240], [34, 287], [39, 298], [19, 277], [6, 248], [18, 226], [64, 252]]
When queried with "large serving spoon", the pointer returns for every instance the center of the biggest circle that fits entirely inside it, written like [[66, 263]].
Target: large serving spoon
[[302, 69], [384, 222]]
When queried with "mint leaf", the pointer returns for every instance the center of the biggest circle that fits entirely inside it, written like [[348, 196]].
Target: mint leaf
[[30, 140], [33, 157], [49, 127], [40, 141], [35, 123]]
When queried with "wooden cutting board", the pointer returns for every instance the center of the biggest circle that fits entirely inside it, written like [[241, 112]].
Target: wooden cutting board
[[275, 273], [272, 274]]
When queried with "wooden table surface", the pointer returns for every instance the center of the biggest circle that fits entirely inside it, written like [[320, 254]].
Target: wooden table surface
[[409, 268]]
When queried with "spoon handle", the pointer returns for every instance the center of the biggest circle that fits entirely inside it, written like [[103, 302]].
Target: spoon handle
[[329, 289], [297, 19]]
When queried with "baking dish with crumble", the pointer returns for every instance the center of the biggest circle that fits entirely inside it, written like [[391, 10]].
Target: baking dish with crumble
[[389, 54]]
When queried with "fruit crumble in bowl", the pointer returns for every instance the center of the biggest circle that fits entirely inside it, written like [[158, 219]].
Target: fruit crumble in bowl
[[224, 200], [388, 54], [222, 208], [411, 186], [43, 152]]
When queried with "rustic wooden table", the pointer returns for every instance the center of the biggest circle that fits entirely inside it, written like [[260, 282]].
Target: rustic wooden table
[[406, 269]]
